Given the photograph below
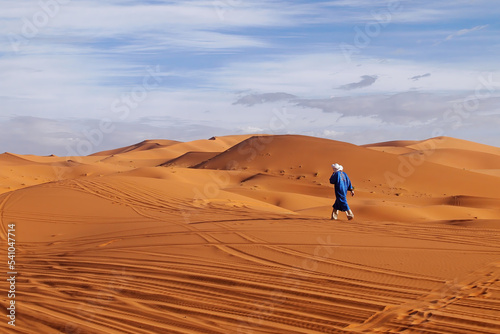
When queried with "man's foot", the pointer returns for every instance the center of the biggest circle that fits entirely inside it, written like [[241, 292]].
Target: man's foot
[[350, 217]]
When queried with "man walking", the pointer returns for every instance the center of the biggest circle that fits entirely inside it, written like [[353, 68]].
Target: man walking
[[342, 184]]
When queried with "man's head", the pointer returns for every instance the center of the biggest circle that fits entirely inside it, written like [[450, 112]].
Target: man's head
[[336, 167]]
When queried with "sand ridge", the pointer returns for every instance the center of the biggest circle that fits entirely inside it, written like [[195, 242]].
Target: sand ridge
[[447, 151], [232, 235]]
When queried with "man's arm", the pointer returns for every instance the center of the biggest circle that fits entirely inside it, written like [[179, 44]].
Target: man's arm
[[350, 186]]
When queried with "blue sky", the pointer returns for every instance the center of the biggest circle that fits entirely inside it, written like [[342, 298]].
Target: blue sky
[[84, 76]]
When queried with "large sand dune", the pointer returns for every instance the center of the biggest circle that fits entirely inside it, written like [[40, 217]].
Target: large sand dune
[[232, 235]]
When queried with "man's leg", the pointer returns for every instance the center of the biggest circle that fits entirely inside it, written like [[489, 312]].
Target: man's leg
[[350, 215], [335, 214]]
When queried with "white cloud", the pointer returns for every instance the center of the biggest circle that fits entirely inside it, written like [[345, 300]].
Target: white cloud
[[317, 75], [58, 86], [98, 19], [331, 134], [465, 31], [251, 129], [93, 26]]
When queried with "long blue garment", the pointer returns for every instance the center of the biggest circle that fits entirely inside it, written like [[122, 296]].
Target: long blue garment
[[342, 185]]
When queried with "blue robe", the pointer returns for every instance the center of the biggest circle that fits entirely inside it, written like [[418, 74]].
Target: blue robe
[[342, 185]]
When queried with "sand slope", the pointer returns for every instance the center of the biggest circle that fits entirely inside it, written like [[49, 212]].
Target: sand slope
[[142, 146], [232, 235], [447, 151]]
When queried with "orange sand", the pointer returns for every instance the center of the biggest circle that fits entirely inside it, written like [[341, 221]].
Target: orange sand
[[232, 235]]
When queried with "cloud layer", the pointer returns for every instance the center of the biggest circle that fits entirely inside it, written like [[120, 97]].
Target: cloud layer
[[366, 80]]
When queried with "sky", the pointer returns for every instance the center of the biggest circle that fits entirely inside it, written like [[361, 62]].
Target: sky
[[83, 76]]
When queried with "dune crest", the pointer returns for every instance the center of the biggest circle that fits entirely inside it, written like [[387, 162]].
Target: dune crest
[[447, 151]]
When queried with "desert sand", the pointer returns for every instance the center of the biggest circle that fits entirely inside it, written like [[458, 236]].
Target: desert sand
[[232, 235]]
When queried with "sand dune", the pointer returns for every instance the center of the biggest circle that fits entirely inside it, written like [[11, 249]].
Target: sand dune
[[190, 159], [449, 152], [144, 156], [232, 235], [142, 146], [437, 143]]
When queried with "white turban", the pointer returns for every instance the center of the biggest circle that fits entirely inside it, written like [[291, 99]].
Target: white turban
[[337, 167]]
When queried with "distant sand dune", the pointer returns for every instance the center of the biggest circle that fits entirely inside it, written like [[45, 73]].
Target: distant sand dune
[[447, 151]]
